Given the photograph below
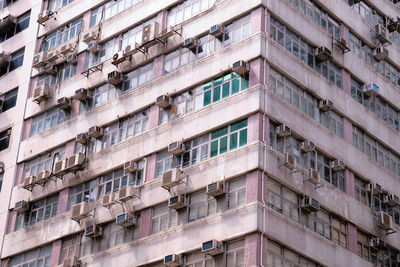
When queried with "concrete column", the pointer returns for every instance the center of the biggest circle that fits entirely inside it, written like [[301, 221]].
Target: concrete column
[[344, 31], [254, 128], [266, 129], [256, 72], [69, 148], [75, 104], [266, 74], [5, 262], [12, 220], [158, 65], [55, 252], [346, 83], [252, 250], [352, 238], [253, 186], [19, 174], [86, 20], [257, 19], [62, 201], [145, 223], [151, 167], [154, 116], [32, 86], [27, 129], [349, 182], [162, 19], [347, 131], [267, 21], [80, 66]]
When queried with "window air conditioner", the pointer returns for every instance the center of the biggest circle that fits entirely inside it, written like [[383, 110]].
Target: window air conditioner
[[52, 55], [40, 60], [190, 43], [381, 34], [126, 193], [5, 58], [217, 31], [283, 130], [67, 48], [7, 22], [29, 182], [337, 165], [76, 162], [131, 50], [93, 47], [71, 262], [375, 188], [212, 247], [108, 200], [392, 25], [322, 54], [370, 89], [93, 231], [342, 44], [64, 103], [313, 176], [80, 211], [90, 35], [172, 260], [377, 243], [163, 101], [82, 94], [42, 177], [172, 178], [385, 221], [149, 33], [289, 161], [44, 16], [325, 105], [72, 58], [307, 146], [309, 204], [41, 93], [60, 167], [125, 219], [381, 53], [118, 58], [392, 200], [240, 67], [51, 70], [115, 78], [21, 206], [130, 166], [95, 132], [81, 138], [177, 202], [215, 189], [176, 148]]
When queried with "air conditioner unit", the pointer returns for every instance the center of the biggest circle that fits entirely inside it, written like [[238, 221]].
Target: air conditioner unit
[[82, 94], [67, 48], [240, 67], [71, 262], [80, 211], [44, 16], [41, 93], [131, 50], [29, 182], [177, 202], [72, 58], [115, 78], [5, 58], [52, 55], [309, 204], [342, 44], [307, 146], [190, 43], [392, 200], [381, 53], [322, 54], [90, 35], [42, 177], [166, 32], [40, 60], [93, 47], [130, 166], [163, 101], [93, 231], [64, 103], [76, 162], [212, 247], [377, 243], [375, 188], [176, 148], [95, 131], [313, 176], [392, 25], [126, 193], [118, 58], [172, 260], [385, 221], [289, 161], [325, 105], [108, 200], [283, 130], [215, 189], [217, 31], [51, 70], [125, 219], [149, 33], [172, 178], [370, 89], [60, 167], [7, 22], [381, 34], [337, 165], [81, 138], [21, 206]]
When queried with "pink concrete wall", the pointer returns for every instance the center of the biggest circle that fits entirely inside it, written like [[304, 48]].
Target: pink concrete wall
[[75, 107], [267, 21], [19, 173], [151, 167], [257, 19], [32, 86], [344, 31], [69, 148], [158, 65], [12, 220], [55, 252], [352, 238], [86, 21], [80, 66], [266, 74], [154, 116], [254, 127], [27, 129], [256, 72], [253, 186], [252, 250], [266, 129], [5, 262], [349, 182], [162, 19], [346, 86], [347, 131], [62, 201], [145, 223]]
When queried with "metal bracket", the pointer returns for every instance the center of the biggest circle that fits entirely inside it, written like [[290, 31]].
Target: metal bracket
[[90, 70]]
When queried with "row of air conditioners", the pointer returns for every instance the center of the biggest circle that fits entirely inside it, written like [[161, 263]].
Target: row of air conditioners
[[71, 164], [391, 200], [123, 195], [41, 178], [380, 244], [124, 219]]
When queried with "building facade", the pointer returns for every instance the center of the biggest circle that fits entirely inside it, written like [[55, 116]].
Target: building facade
[[200, 133]]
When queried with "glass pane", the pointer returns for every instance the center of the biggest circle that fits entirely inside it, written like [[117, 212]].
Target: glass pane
[[223, 145], [214, 148]]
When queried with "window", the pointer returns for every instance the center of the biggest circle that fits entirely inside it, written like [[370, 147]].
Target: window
[[99, 96], [10, 100], [43, 162], [62, 34], [278, 256], [164, 162], [363, 248], [236, 195], [195, 259], [22, 24], [17, 58], [36, 257], [65, 71], [39, 211], [163, 218], [138, 77], [48, 120], [85, 192], [5, 139], [235, 253], [201, 205], [110, 9], [6, 3], [56, 4], [187, 10], [360, 191], [69, 247]]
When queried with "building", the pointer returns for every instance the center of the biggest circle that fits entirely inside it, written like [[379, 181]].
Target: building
[[202, 133]]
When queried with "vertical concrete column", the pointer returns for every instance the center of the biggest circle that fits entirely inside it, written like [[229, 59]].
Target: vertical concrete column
[[347, 131], [32, 86], [151, 167], [154, 116], [346, 83], [5, 262], [69, 148], [344, 31], [145, 223], [55, 252], [12, 220], [352, 238], [266, 74], [253, 186], [158, 65], [257, 19], [19, 174], [254, 128], [349, 182], [267, 21], [256, 75], [81, 63], [252, 250], [162, 19], [265, 125], [75, 105], [27, 129], [86, 20], [62, 201]]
